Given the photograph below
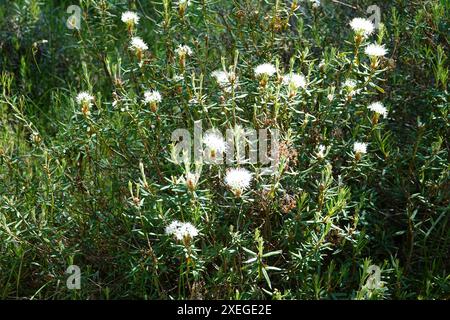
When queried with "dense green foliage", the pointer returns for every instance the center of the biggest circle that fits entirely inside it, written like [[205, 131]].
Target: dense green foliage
[[97, 188]]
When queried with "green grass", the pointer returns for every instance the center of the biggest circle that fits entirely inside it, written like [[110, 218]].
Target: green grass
[[71, 185]]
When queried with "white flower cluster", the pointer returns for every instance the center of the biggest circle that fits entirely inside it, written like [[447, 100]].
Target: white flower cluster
[[130, 18], [238, 180], [375, 50], [215, 143], [181, 230], [295, 80], [183, 50], [221, 78], [362, 27], [137, 44], [350, 86], [360, 147], [379, 108], [152, 96], [226, 80], [84, 98], [265, 69]]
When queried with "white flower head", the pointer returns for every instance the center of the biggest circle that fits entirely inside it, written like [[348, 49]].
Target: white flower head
[[152, 96], [181, 230], [360, 147], [172, 227], [215, 143], [186, 230], [265, 69], [84, 98], [320, 154], [379, 108], [226, 80], [376, 50], [238, 180], [183, 50], [363, 27], [350, 86], [221, 77], [137, 44], [294, 80], [130, 18]]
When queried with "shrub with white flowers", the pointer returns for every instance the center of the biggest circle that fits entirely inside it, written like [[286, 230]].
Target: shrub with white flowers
[[210, 149]]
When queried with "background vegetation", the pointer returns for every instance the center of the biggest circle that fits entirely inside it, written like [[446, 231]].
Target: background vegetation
[[65, 179]]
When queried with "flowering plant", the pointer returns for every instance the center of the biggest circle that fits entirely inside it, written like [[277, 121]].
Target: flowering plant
[[225, 149]]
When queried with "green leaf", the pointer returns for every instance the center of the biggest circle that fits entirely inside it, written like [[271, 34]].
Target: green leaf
[[266, 275], [249, 251], [273, 253]]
